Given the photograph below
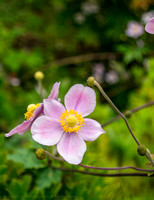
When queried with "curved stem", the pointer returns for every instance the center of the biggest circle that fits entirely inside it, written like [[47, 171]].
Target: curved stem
[[40, 86], [101, 174], [117, 168], [116, 109], [151, 103], [102, 168], [54, 157]]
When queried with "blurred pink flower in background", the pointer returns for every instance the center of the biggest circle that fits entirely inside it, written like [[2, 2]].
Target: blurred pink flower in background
[[134, 29], [111, 77], [33, 111], [14, 81], [98, 71], [66, 126], [79, 18], [147, 16], [150, 26], [89, 7]]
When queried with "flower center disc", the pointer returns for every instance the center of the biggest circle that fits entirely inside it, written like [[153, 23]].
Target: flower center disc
[[71, 121]]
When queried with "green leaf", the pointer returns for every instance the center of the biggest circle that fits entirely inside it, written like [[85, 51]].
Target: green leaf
[[18, 188], [2, 139], [47, 177], [14, 59], [3, 169], [27, 158], [32, 195], [3, 158]]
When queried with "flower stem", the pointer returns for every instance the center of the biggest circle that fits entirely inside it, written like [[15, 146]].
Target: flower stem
[[40, 88], [102, 168], [101, 174], [117, 168], [116, 109], [148, 155]]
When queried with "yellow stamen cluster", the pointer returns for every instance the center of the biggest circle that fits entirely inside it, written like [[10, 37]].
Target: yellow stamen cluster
[[30, 110], [71, 121]]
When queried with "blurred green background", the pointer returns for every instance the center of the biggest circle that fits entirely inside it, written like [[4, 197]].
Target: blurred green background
[[69, 41]]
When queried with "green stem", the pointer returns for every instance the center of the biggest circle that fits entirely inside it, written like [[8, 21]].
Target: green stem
[[40, 88], [102, 168], [116, 109], [101, 174]]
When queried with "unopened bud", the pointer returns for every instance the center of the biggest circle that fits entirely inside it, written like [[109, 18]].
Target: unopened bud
[[90, 81], [38, 75], [128, 113], [141, 150], [40, 154]]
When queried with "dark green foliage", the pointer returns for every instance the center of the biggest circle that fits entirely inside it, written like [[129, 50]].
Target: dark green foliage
[[37, 35]]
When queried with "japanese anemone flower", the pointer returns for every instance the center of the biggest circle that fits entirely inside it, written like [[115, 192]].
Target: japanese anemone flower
[[33, 111], [150, 26], [66, 126], [134, 29]]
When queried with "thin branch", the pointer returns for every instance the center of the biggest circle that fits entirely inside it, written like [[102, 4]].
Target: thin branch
[[76, 60], [54, 157], [117, 168], [83, 58], [151, 103], [102, 168], [101, 174], [143, 106], [116, 109]]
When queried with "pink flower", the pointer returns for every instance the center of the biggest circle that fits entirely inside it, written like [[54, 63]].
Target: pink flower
[[33, 111], [66, 126], [134, 29], [150, 26]]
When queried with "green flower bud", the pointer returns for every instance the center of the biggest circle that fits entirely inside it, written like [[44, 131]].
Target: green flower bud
[[40, 154], [141, 150], [128, 113], [90, 81]]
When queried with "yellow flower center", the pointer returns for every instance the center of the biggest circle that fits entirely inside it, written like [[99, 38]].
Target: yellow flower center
[[30, 110], [71, 121]]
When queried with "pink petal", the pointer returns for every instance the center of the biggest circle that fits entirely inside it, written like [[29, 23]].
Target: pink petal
[[81, 99], [46, 131], [71, 147], [25, 126], [20, 128], [91, 130], [38, 111], [54, 91], [150, 26], [53, 108]]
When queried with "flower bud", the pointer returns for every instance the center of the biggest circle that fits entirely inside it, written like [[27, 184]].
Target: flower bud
[[128, 113], [38, 75], [141, 150], [90, 81], [40, 154]]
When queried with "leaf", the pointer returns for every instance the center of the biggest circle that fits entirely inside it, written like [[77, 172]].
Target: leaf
[[47, 177], [27, 158], [3, 158], [3, 173], [18, 188], [32, 195], [150, 174], [2, 139], [14, 59], [3, 169]]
